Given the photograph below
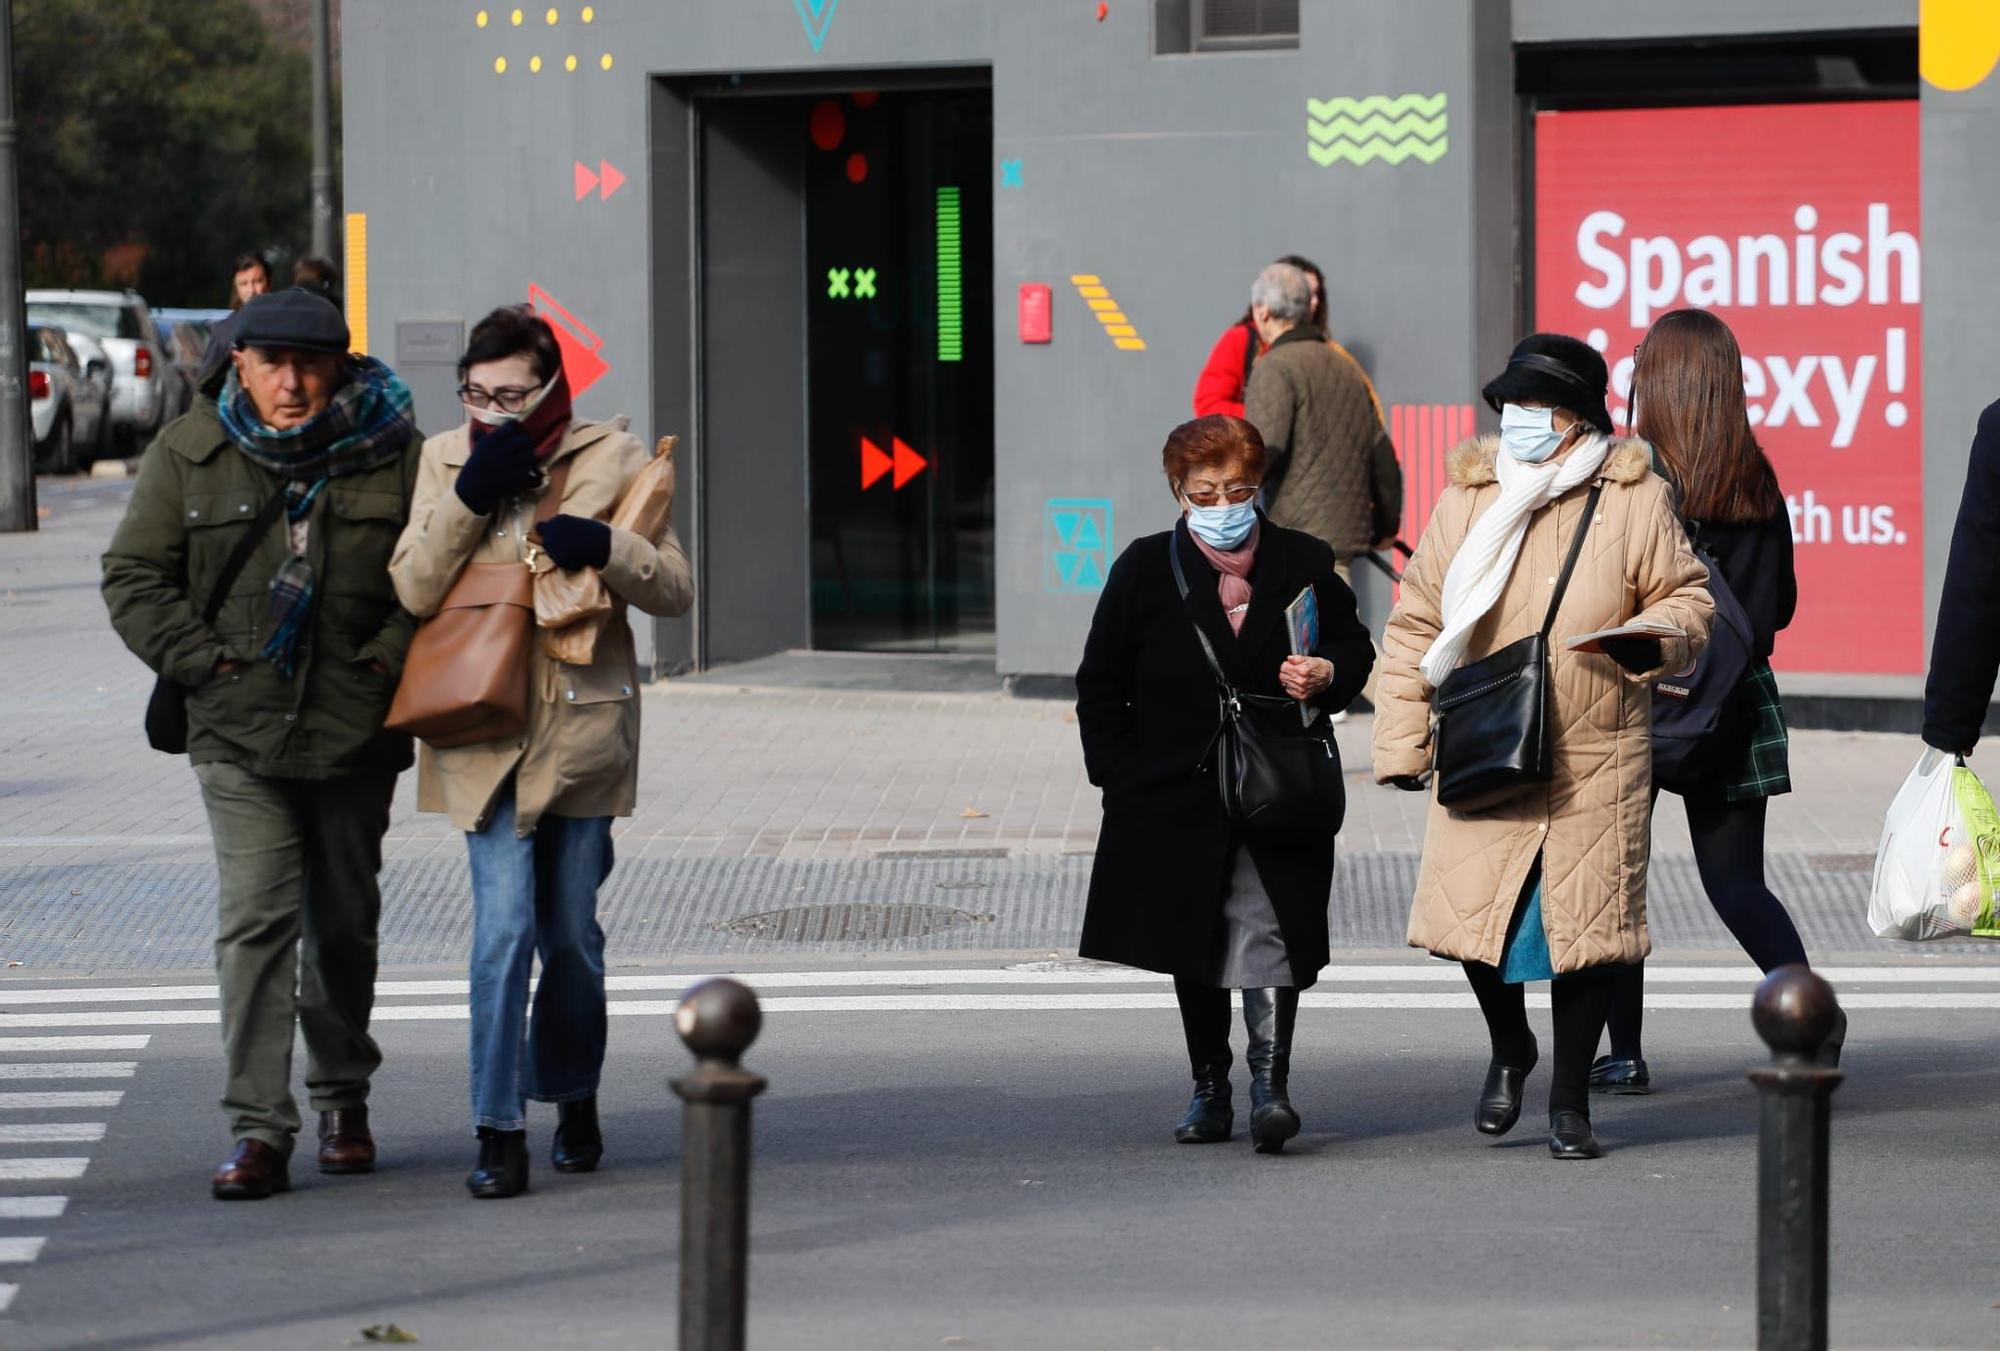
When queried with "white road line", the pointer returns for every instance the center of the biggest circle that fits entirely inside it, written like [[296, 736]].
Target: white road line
[[1413, 971], [52, 1133], [33, 1207], [21, 1249], [42, 1170], [109, 1097], [9, 1045], [72, 1069], [7, 1293]]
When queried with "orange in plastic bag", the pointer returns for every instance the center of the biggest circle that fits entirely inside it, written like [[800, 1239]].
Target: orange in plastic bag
[[571, 607]]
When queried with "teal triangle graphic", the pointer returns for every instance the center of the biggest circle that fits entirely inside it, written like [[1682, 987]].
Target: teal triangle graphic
[[817, 16], [1066, 567], [1087, 535], [1065, 523], [1089, 576]]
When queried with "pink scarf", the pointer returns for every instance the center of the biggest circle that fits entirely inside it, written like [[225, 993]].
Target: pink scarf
[[1234, 583]]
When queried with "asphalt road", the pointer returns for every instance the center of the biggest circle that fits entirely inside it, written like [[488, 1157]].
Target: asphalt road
[[973, 1157]]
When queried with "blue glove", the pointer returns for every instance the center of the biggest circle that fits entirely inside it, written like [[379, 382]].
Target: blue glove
[[502, 463], [573, 542]]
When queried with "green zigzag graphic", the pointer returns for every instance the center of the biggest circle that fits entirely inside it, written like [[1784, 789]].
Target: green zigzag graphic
[[1391, 152], [1430, 128], [1394, 105]]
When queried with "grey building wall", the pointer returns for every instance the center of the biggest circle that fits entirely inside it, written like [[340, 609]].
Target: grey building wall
[[1172, 178]]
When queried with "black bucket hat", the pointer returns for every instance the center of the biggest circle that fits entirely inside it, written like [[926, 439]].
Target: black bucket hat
[[1557, 370]]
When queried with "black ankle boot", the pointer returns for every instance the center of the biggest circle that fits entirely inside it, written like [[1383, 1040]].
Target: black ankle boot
[[503, 1165], [1499, 1105], [1270, 1015], [579, 1144], [1205, 1023]]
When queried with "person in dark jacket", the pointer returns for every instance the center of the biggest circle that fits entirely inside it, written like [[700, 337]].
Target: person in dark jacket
[[1177, 887], [1687, 386], [1965, 654], [286, 692], [1225, 376]]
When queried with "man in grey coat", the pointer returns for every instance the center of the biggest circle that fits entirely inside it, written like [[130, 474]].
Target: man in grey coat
[[1332, 470]]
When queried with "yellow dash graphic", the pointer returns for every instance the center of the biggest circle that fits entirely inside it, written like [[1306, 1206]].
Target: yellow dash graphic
[[1109, 313], [357, 281]]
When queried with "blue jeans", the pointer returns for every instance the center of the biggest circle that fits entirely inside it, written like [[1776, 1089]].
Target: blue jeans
[[537, 895]]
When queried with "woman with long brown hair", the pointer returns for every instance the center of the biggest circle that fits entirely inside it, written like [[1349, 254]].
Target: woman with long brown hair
[[1687, 390]]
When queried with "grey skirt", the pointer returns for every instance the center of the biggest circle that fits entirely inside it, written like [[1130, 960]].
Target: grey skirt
[[1250, 948]]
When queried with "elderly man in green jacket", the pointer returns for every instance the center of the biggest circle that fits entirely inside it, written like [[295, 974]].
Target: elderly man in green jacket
[[305, 458]]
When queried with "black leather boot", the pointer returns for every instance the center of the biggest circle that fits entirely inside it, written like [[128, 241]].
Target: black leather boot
[[1205, 1023], [579, 1144], [503, 1165], [1269, 1016]]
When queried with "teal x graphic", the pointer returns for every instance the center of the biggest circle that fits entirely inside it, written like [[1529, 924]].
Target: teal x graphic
[[836, 282], [864, 283], [1010, 173]]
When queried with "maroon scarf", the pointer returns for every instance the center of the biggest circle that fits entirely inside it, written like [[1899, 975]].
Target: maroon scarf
[[1233, 585], [547, 424]]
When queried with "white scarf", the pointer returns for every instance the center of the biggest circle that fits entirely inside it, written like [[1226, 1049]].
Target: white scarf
[[1486, 560]]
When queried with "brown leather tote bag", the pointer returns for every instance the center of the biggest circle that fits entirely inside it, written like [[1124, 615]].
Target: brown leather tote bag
[[466, 678]]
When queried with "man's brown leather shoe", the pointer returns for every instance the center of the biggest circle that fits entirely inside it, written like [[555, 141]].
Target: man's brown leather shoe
[[345, 1146], [252, 1173]]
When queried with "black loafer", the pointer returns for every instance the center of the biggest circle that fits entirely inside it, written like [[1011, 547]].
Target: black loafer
[[1570, 1137], [1499, 1104], [1828, 1055], [1628, 1077]]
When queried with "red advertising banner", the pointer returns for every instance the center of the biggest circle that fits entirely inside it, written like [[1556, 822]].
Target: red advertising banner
[[1798, 226]]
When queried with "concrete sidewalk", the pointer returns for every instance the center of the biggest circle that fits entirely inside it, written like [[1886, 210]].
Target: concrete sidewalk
[[937, 819]]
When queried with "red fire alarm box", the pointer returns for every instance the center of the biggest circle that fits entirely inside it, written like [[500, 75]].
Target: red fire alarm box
[[1034, 312]]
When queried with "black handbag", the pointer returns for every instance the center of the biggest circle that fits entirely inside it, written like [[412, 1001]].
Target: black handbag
[[166, 711], [1273, 783], [1490, 729]]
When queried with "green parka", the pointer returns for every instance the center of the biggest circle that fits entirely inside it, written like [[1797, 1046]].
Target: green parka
[[195, 496]]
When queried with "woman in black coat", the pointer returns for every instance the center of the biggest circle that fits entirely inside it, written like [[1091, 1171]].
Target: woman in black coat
[[1687, 385], [1177, 887]]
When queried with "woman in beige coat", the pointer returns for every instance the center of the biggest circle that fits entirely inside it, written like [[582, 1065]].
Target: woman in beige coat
[[537, 808], [1549, 883]]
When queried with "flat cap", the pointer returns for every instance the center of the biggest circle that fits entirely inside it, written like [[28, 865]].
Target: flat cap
[[295, 318]]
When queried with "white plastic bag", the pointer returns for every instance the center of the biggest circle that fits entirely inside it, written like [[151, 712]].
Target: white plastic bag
[[1938, 866]]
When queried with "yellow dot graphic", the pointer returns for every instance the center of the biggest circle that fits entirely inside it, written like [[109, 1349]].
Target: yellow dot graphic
[[535, 65], [517, 18], [480, 18], [605, 61], [588, 14], [1958, 41], [569, 63], [552, 17], [499, 65]]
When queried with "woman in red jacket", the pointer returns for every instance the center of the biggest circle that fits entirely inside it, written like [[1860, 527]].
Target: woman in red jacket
[[1226, 373]]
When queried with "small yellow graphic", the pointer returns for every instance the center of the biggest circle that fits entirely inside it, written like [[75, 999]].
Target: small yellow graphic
[[1116, 326], [589, 14], [1958, 41], [517, 17], [357, 281], [553, 17], [605, 61], [479, 19], [499, 65], [535, 65], [569, 63]]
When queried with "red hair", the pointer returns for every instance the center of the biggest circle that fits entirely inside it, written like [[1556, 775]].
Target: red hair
[[1211, 442]]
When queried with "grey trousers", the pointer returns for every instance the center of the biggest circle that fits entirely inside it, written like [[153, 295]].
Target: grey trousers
[[295, 939]]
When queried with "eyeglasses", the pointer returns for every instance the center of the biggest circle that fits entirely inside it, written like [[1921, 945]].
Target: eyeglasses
[[508, 399], [1234, 496]]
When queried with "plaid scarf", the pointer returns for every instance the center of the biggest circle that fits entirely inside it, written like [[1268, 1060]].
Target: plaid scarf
[[367, 424]]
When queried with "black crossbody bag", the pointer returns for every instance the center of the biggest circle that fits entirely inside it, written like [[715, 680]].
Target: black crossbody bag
[[1490, 729], [166, 711], [1271, 783]]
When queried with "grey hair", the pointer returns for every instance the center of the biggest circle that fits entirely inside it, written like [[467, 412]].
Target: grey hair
[[1284, 291]]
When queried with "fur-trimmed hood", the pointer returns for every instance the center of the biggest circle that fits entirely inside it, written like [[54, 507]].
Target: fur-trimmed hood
[[1471, 464]]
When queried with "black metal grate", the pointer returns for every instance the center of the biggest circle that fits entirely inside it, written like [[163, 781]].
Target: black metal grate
[[850, 922]]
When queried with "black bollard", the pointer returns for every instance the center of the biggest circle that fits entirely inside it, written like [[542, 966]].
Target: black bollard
[[718, 1020], [1794, 1012]]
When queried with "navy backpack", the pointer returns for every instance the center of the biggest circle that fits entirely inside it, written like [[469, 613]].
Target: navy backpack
[[1691, 741]]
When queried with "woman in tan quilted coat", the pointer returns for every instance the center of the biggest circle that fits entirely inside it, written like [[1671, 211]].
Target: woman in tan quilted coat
[[1548, 884]]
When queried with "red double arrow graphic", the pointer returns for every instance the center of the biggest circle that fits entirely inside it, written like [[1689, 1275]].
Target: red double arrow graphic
[[899, 460]]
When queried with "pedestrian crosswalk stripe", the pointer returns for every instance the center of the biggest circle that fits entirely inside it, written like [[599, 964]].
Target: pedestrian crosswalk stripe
[[10, 1045], [71, 1069], [33, 1207], [52, 1133], [21, 1249], [109, 1097], [7, 1293], [42, 1170]]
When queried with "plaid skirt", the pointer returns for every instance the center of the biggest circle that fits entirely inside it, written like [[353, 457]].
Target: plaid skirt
[[1765, 769]]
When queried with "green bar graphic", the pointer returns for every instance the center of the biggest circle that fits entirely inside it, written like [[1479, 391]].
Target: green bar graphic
[[950, 280]]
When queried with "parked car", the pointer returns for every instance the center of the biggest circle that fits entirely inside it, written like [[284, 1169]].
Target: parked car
[[186, 333], [69, 400], [147, 389]]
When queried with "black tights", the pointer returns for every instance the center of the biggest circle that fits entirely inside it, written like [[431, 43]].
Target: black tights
[[1581, 1001], [1729, 852]]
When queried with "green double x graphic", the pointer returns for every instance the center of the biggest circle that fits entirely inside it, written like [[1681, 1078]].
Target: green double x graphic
[[836, 283], [864, 283]]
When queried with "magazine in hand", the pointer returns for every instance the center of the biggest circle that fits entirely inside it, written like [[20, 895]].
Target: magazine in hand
[[1594, 642], [1302, 621]]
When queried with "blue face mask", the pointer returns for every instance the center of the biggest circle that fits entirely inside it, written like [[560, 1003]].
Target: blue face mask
[[1224, 525], [1529, 434]]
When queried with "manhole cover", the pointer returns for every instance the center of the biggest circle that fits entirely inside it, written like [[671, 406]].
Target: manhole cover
[[851, 922]]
